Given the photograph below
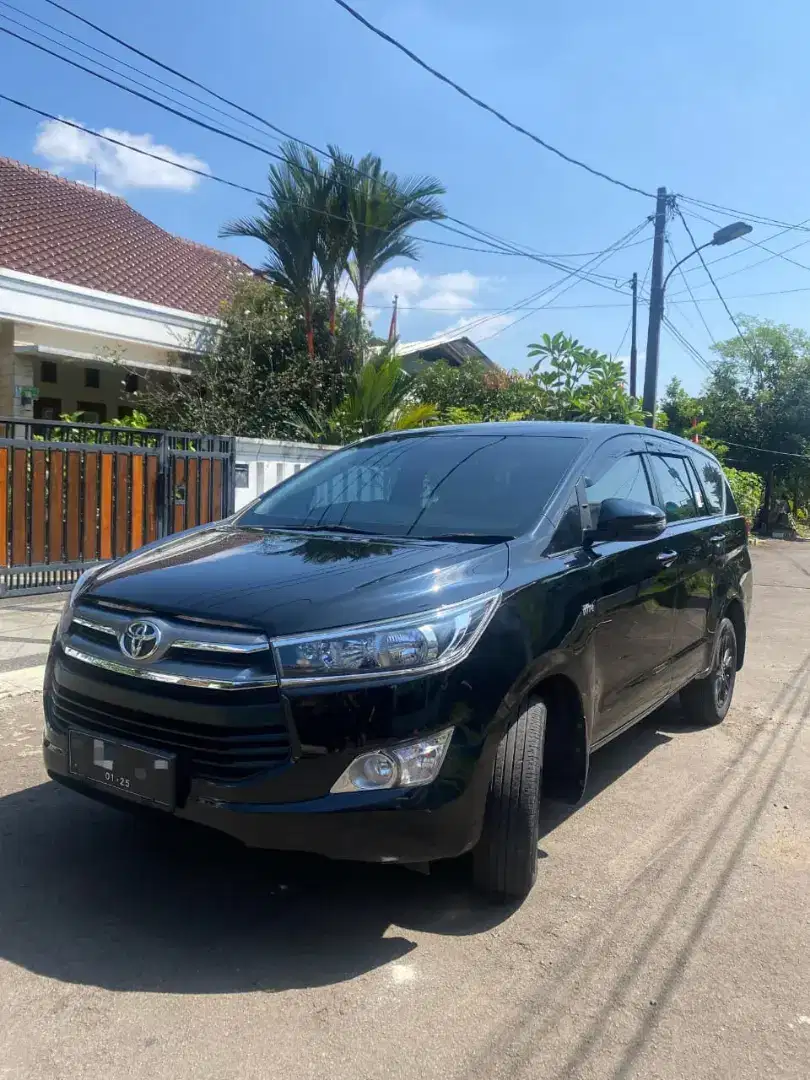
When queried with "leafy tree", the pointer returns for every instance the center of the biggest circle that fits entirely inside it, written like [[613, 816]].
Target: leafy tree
[[681, 410], [758, 400], [581, 383], [255, 376]]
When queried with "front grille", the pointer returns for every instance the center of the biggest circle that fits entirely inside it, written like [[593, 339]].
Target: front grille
[[207, 751]]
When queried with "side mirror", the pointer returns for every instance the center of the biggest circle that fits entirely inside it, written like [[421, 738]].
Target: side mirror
[[624, 519]]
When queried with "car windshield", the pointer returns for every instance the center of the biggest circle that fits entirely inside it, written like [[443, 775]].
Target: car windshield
[[459, 485]]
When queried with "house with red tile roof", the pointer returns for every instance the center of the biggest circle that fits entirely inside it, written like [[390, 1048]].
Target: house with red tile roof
[[94, 297]]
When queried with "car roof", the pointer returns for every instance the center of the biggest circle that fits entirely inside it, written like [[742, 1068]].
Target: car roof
[[593, 433]]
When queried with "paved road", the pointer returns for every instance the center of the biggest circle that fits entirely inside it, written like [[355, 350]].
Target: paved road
[[667, 937]]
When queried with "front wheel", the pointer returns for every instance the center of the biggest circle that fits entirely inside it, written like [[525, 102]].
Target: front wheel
[[706, 701], [505, 858]]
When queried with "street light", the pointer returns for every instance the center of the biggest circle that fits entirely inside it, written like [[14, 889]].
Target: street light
[[723, 236], [659, 283]]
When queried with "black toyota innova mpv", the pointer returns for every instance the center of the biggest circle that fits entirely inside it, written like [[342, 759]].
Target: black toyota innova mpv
[[387, 656]]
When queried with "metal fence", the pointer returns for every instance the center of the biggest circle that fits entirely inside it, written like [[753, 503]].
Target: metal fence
[[72, 495]]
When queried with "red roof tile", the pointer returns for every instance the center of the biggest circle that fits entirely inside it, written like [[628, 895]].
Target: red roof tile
[[56, 228]]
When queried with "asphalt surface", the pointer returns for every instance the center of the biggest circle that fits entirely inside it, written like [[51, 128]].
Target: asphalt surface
[[667, 936]]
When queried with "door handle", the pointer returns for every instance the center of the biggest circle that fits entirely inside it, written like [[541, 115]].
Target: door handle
[[667, 558], [717, 539]]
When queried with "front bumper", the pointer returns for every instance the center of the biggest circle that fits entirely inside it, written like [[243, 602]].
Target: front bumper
[[289, 807]]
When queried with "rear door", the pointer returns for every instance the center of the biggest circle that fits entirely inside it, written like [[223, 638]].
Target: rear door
[[696, 543], [634, 606]]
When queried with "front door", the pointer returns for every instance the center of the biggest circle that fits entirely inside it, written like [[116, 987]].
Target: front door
[[634, 606]]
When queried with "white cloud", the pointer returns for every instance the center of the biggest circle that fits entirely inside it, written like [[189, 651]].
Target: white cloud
[[454, 292], [66, 148]]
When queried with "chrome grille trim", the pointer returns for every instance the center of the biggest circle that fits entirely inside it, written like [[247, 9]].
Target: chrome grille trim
[[88, 625], [221, 646], [201, 645], [168, 677]]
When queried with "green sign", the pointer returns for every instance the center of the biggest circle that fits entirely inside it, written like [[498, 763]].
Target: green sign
[[26, 392]]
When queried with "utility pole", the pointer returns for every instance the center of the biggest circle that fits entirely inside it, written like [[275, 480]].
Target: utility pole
[[633, 349], [656, 308]]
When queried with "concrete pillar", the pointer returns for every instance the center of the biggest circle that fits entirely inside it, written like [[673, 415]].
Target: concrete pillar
[[6, 368], [15, 371]]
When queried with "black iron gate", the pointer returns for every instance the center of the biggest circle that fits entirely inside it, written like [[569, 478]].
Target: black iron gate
[[72, 495]]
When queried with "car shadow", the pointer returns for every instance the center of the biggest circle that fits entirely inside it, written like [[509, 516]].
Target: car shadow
[[92, 896]]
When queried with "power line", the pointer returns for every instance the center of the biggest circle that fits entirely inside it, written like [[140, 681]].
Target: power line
[[761, 244], [482, 104], [121, 63], [714, 283], [218, 179], [762, 450], [603, 256], [687, 345], [617, 245], [691, 294], [491, 237]]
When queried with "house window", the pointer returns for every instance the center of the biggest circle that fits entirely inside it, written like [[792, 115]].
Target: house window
[[131, 383], [92, 378], [47, 408], [242, 476], [47, 371]]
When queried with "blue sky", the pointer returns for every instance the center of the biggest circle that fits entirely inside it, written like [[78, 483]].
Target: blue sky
[[708, 99]]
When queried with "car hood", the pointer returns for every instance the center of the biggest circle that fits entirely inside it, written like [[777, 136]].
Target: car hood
[[283, 581]]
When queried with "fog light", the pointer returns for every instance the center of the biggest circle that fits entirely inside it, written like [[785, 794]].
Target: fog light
[[409, 765]]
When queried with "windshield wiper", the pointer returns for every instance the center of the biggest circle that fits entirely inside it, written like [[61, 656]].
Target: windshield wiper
[[470, 537], [328, 528]]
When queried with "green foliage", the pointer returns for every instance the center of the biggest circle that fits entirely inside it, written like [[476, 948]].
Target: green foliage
[[575, 384], [747, 489], [378, 398], [759, 396], [255, 376], [472, 392], [581, 383], [681, 410]]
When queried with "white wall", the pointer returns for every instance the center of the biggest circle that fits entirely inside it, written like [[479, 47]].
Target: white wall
[[269, 461]]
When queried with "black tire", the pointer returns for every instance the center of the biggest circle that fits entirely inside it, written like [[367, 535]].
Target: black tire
[[505, 858], [706, 701]]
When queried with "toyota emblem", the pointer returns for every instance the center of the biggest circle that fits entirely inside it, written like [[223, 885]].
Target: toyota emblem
[[140, 640]]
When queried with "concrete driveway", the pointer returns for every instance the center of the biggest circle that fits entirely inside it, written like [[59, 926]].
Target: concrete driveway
[[667, 936]]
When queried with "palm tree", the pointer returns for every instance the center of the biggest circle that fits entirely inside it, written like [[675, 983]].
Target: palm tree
[[383, 208], [319, 223], [290, 223], [376, 401]]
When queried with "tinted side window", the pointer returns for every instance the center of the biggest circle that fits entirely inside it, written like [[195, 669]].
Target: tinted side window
[[626, 478], [677, 497], [713, 483]]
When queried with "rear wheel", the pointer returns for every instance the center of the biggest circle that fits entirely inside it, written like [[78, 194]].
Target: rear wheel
[[706, 701], [505, 858]]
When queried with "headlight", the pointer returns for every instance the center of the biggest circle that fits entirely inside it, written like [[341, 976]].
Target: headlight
[[429, 641], [411, 765]]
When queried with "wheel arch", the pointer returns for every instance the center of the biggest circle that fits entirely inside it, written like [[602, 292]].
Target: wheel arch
[[735, 611], [566, 751]]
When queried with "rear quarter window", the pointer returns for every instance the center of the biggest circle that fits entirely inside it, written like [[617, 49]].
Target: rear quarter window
[[713, 482]]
